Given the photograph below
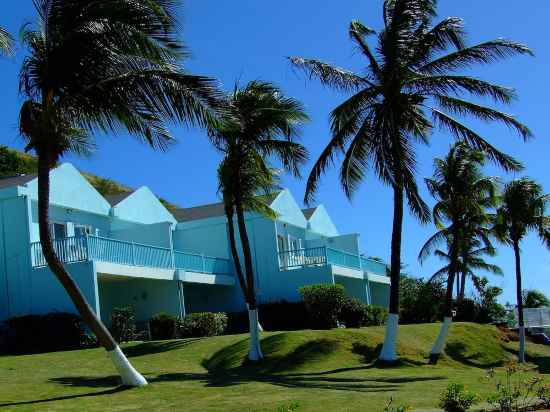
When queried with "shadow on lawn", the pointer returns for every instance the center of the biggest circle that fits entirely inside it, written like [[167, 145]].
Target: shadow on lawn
[[150, 348], [459, 352], [63, 398]]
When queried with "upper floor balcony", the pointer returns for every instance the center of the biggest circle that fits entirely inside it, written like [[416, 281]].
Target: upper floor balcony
[[324, 256], [101, 249]]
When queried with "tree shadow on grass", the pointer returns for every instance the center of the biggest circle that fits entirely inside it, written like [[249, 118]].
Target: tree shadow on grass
[[150, 348], [459, 352], [63, 398], [542, 362]]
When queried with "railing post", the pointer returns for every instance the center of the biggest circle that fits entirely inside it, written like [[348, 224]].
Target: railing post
[[203, 263], [326, 255], [87, 257], [133, 249]]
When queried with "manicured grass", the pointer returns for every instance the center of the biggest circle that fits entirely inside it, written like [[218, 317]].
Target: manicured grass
[[317, 370]]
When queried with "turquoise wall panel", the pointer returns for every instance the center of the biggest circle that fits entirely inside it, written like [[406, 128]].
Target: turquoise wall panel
[[142, 206], [380, 294]]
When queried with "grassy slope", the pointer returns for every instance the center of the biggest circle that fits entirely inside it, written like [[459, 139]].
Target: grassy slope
[[321, 370]]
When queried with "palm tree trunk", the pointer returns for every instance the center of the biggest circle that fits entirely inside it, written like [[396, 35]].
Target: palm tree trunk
[[235, 253], [521, 322], [460, 297], [439, 343], [130, 377], [388, 353], [255, 354]]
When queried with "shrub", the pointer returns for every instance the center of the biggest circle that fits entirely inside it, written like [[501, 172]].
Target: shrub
[[202, 324], [376, 315], [515, 392], [163, 326], [457, 399], [44, 333], [420, 300], [354, 313], [123, 324], [323, 304]]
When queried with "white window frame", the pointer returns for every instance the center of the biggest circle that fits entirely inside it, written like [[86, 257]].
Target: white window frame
[[88, 229], [52, 228]]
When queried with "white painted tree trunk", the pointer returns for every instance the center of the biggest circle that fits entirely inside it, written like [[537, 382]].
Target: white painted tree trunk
[[259, 324], [439, 344], [130, 376], [255, 354], [522, 344], [388, 353]]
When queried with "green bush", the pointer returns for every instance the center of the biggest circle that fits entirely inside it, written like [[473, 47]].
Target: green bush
[[163, 326], [457, 399], [123, 324], [197, 325], [323, 304], [44, 333], [376, 315], [354, 313]]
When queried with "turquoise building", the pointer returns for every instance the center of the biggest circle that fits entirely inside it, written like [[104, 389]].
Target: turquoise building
[[130, 250]]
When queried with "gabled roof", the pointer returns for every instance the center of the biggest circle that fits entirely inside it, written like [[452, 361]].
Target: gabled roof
[[210, 210], [116, 199], [16, 180], [309, 212], [199, 212]]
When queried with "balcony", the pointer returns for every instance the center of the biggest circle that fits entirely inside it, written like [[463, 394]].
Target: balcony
[[95, 248], [324, 256]]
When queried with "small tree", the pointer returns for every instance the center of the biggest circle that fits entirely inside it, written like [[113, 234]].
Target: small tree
[[535, 299], [523, 210], [261, 122]]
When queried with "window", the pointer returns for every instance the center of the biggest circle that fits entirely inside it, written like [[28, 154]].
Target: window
[[58, 230], [82, 230]]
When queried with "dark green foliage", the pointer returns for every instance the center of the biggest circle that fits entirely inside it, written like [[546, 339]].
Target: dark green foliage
[[282, 316], [356, 314], [163, 326], [457, 399], [123, 324], [490, 311], [196, 325], [421, 301], [45, 333], [535, 299], [323, 304], [13, 163]]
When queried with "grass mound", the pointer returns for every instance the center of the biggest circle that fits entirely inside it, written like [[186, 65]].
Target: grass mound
[[468, 345]]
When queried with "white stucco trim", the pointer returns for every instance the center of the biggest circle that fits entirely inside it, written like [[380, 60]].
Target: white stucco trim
[[378, 278], [134, 271], [205, 278], [347, 272]]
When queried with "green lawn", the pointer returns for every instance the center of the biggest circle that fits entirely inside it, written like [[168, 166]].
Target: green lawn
[[317, 370]]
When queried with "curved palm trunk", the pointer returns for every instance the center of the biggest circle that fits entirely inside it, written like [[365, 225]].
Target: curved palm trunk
[[130, 377], [388, 353], [521, 322], [255, 354], [462, 292]]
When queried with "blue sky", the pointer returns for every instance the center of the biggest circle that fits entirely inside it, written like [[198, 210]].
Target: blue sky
[[249, 39]]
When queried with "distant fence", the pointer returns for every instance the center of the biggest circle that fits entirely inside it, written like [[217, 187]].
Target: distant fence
[[536, 318]]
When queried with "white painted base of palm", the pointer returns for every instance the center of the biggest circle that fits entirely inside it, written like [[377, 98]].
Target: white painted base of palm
[[521, 354], [255, 354], [388, 353], [130, 376], [439, 344]]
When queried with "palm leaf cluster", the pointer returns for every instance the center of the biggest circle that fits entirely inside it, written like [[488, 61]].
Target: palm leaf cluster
[[409, 86], [6, 42], [464, 197], [260, 125], [107, 66]]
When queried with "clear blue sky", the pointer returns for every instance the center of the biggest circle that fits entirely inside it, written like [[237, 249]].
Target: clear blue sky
[[249, 39]]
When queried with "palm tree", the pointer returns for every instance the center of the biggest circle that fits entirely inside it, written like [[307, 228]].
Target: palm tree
[[408, 76], [463, 196], [6, 42], [522, 210], [259, 115], [107, 66]]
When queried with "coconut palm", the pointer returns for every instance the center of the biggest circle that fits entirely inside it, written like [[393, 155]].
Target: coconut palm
[[523, 209], [463, 196], [102, 66], [262, 123], [409, 76], [6, 42]]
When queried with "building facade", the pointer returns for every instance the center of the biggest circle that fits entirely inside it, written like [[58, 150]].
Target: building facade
[[129, 250]]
